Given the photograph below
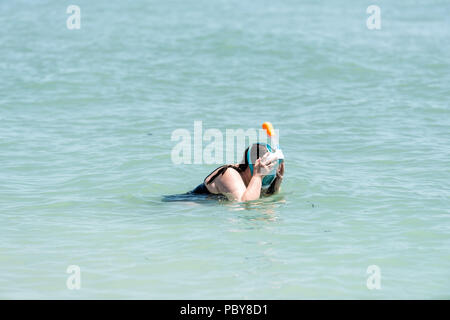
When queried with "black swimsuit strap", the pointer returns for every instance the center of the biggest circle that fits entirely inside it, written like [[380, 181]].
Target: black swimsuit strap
[[239, 168], [222, 170]]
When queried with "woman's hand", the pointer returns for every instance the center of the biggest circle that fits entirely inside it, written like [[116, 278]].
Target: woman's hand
[[262, 168], [280, 171], [276, 184]]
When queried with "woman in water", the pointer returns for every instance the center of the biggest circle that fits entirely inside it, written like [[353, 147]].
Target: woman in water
[[253, 177]]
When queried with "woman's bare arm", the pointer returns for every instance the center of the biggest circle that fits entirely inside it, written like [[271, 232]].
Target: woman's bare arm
[[232, 186]]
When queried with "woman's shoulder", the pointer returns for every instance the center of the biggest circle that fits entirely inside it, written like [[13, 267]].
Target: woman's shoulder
[[228, 170]]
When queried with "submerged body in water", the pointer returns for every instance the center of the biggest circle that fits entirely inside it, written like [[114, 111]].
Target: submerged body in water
[[200, 193], [257, 175]]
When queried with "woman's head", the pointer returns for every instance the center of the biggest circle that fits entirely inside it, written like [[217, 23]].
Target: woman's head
[[257, 151]]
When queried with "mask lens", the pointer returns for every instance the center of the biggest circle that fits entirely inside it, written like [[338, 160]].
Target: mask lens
[[267, 180]]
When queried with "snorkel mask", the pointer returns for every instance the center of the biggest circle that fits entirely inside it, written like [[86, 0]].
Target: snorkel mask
[[267, 179]]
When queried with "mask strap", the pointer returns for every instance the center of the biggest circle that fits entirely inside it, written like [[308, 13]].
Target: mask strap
[[249, 162]]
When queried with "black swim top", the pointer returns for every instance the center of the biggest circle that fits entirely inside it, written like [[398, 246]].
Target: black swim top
[[221, 170]]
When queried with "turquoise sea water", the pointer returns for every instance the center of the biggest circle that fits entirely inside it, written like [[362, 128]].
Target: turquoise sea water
[[85, 148]]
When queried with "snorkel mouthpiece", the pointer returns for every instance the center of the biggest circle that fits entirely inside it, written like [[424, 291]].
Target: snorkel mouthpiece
[[269, 129], [275, 154]]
